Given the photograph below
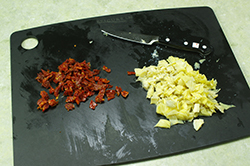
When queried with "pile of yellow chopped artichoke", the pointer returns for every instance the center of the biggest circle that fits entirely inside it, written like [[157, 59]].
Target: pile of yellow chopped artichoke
[[180, 93]]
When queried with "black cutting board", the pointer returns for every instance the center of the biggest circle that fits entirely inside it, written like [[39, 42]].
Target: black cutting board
[[121, 130]]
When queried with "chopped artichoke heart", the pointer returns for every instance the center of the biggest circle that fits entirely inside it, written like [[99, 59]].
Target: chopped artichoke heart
[[196, 108], [179, 92], [162, 63], [140, 72], [150, 92], [202, 60], [197, 65], [220, 108], [175, 121], [226, 106], [161, 108], [197, 123], [170, 103], [154, 99], [163, 123]]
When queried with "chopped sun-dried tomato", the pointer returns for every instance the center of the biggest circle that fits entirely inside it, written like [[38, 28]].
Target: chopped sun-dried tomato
[[124, 93], [39, 102], [97, 87], [96, 78], [103, 80], [109, 86], [96, 72], [70, 99], [68, 92], [69, 106], [45, 107], [77, 82], [118, 90], [46, 83], [44, 95], [92, 104], [99, 98], [59, 76], [58, 89], [90, 93], [44, 102], [110, 94], [51, 90], [52, 102], [130, 72], [105, 68]]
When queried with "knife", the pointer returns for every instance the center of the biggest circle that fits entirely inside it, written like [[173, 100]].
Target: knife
[[188, 43]]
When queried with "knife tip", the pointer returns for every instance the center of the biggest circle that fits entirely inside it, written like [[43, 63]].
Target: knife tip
[[104, 32]]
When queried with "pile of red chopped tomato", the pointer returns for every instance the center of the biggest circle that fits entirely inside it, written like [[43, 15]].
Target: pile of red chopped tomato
[[77, 82]]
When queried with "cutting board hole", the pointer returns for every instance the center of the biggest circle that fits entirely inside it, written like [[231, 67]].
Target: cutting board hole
[[29, 43]]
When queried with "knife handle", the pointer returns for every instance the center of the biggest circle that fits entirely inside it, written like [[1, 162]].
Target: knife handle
[[192, 43]]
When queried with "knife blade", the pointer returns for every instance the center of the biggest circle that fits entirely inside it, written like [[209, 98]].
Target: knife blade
[[188, 43]]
